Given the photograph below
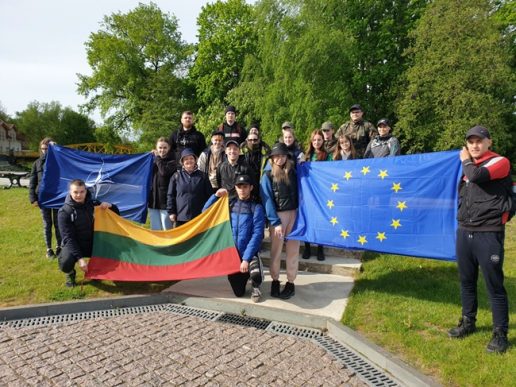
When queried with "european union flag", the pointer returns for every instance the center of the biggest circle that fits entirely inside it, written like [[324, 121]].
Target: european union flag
[[400, 205], [120, 179]]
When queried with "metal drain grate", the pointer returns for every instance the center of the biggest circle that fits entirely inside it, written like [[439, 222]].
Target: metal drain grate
[[285, 329], [244, 321], [194, 312], [365, 370], [73, 317]]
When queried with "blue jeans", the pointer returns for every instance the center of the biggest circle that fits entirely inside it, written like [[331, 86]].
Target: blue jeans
[[159, 219], [49, 216]]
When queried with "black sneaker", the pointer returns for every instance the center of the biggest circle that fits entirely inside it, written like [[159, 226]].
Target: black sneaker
[[320, 253], [306, 251], [499, 342], [288, 291], [275, 285], [50, 254], [70, 279], [466, 327]]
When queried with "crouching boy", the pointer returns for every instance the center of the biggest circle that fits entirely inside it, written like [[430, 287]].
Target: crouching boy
[[76, 227], [247, 222]]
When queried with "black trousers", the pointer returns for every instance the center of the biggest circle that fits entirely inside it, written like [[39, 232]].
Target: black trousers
[[238, 281], [49, 216], [484, 250], [66, 260]]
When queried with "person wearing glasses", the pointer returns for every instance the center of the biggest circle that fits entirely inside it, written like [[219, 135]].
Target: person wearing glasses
[[49, 215], [360, 131], [255, 151]]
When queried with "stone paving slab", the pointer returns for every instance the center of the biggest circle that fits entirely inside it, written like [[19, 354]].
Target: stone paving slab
[[316, 294], [162, 349]]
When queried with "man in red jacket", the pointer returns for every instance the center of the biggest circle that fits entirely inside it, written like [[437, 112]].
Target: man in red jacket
[[484, 204]]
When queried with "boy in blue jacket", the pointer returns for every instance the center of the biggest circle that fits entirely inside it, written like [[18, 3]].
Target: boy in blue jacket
[[247, 223]]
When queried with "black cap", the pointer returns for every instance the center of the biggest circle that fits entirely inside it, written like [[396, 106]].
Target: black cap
[[279, 149], [230, 108], [217, 133], [478, 131], [384, 121], [187, 152], [234, 142], [243, 179], [355, 107]]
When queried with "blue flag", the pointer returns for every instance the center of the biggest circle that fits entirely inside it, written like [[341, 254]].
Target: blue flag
[[400, 205], [120, 179]]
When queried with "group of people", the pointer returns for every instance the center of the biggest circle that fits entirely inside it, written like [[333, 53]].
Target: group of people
[[261, 183]]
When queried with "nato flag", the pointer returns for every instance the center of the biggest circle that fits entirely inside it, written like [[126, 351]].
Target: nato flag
[[120, 179]]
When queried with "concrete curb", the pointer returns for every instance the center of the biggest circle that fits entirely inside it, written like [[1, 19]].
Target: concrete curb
[[68, 307], [400, 371]]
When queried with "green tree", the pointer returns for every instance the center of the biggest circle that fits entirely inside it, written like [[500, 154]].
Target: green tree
[[227, 33], [314, 59], [3, 113], [139, 65], [65, 126], [460, 77], [299, 70]]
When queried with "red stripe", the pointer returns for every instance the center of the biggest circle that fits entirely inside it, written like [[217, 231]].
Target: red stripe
[[221, 263]]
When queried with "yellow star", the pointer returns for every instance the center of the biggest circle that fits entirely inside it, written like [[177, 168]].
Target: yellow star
[[334, 220], [380, 236], [396, 187], [344, 233], [330, 204], [347, 175], [362, 239], [334, 187], [383, 174], [365, 170], [395, 223], [401, 205]]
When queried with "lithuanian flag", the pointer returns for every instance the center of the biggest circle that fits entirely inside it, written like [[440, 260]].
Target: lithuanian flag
[[124, 251]]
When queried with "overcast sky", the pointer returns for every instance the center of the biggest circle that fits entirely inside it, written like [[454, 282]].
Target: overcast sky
[[42, 45]]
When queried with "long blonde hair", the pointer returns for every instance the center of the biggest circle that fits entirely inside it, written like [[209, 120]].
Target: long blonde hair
[[280, 174]]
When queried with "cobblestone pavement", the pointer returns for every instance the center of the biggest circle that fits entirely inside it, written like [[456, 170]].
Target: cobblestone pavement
[[161, 348]]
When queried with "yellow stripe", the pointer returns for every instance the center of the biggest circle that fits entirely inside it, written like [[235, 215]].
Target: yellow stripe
[[110, 222]]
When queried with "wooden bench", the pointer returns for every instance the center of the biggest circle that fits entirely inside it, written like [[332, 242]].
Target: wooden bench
[[14, 177]]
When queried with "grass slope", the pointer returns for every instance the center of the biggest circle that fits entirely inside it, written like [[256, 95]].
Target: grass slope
[[26, 276], [407, 305]]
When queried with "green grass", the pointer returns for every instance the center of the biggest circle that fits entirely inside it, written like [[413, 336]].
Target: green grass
[[407, 305], [27, 276]]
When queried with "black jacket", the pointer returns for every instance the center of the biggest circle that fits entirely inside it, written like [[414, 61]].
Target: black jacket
[[182, 139], [187, 193], [36, 176], [233, 132], [162, 171], [483, 201], [76, 225], [226, 175], [285, 195]]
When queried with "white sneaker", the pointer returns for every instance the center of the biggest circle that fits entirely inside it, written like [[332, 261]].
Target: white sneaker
[[256, 295]]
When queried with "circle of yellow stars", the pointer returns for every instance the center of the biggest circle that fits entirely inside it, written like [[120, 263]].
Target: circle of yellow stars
[[380, 235]]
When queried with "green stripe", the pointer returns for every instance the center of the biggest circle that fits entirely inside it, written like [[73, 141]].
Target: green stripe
[[107, 245]]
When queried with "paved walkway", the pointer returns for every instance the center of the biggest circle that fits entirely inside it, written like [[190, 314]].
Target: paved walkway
[[161, 348]]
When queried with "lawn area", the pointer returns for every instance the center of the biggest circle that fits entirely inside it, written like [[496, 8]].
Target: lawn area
[[406, 305], [27, 276]]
